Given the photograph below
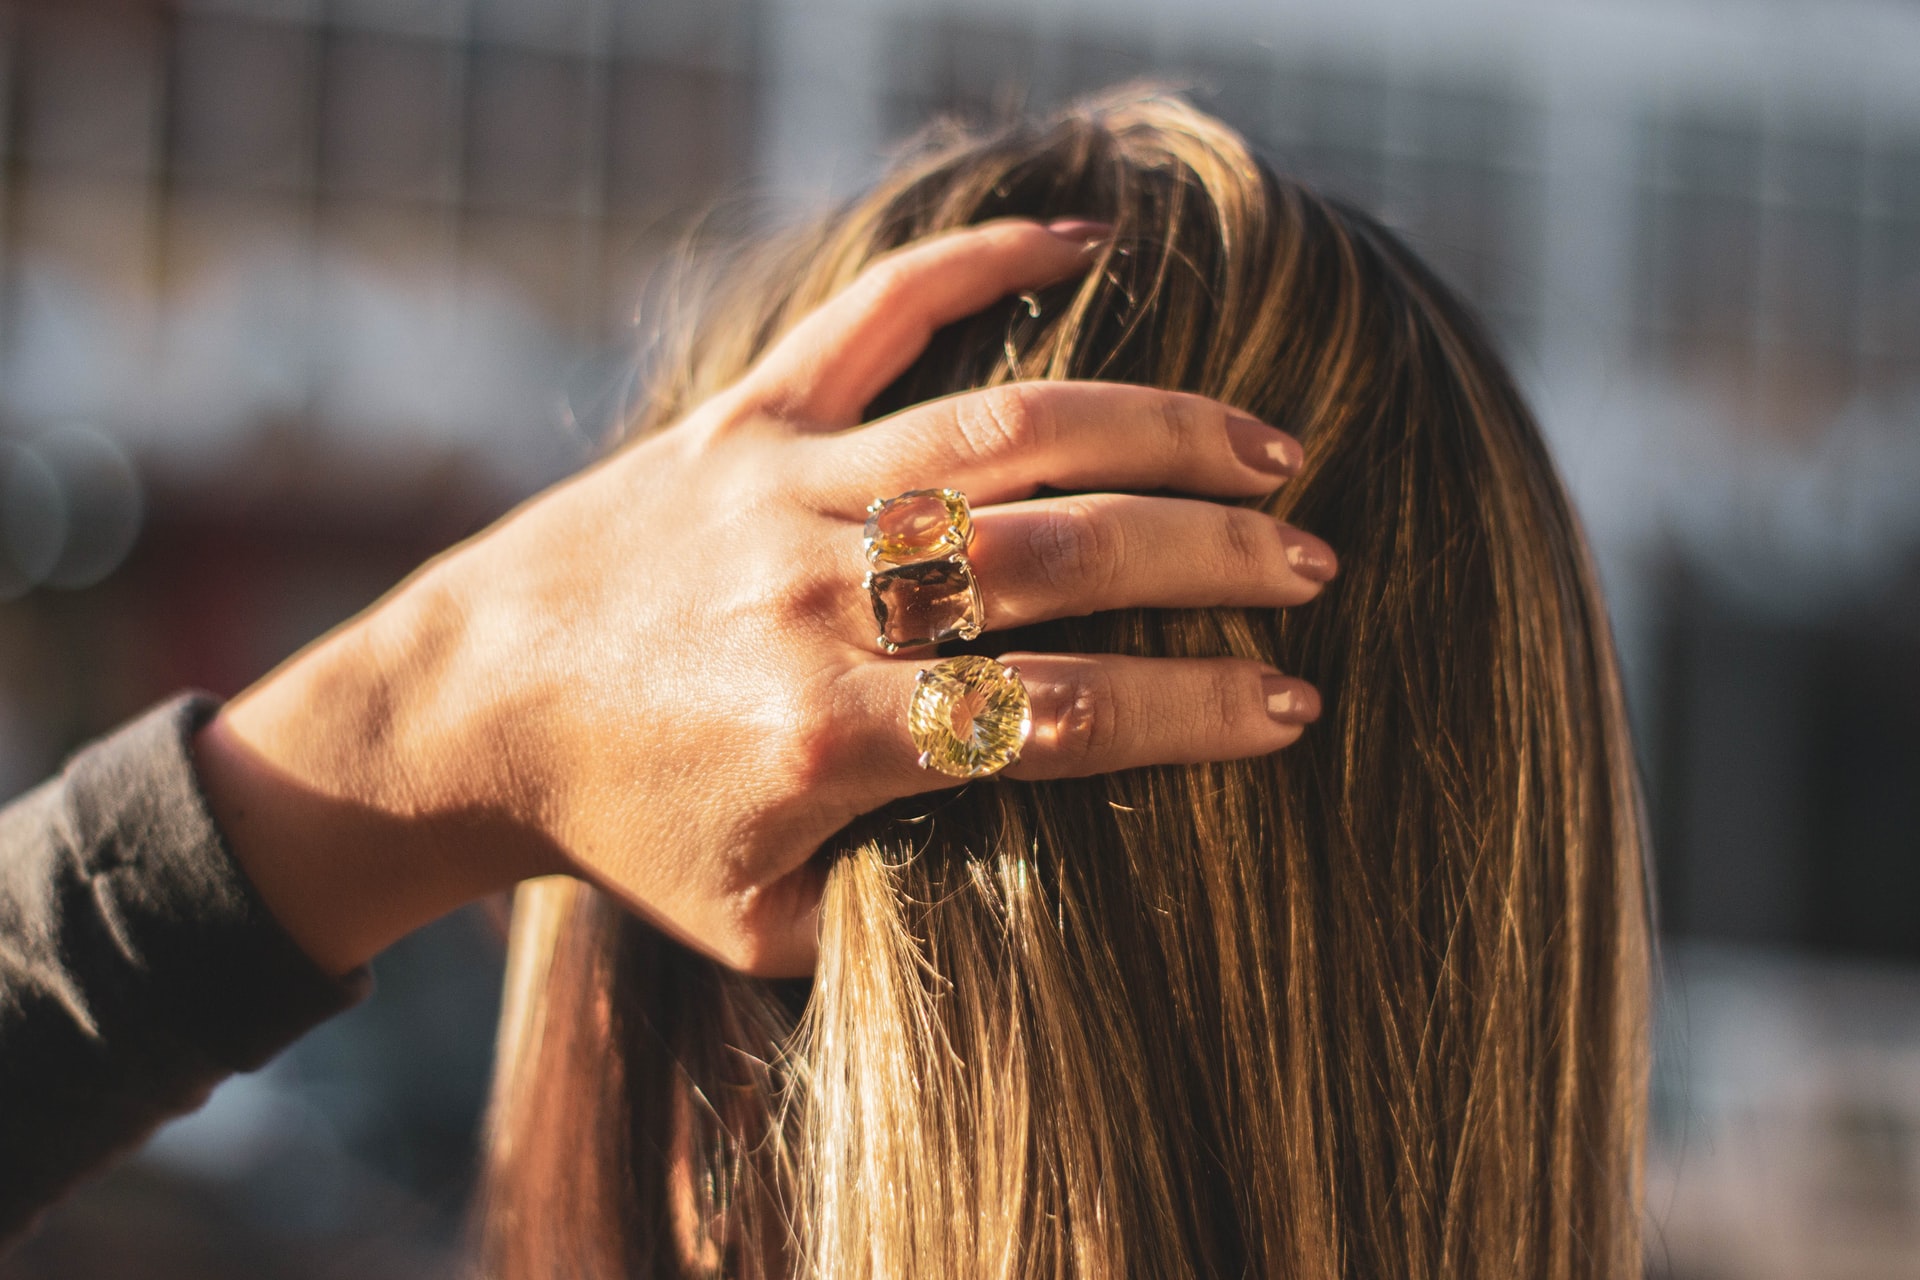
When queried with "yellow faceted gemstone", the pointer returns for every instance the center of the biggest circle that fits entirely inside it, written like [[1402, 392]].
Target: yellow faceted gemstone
[[969, 717], [919, 525]]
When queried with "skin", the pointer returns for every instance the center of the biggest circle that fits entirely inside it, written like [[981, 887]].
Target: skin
[[660, 675]]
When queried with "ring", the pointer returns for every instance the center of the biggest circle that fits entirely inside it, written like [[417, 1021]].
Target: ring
[[920, 580], [970, 716]]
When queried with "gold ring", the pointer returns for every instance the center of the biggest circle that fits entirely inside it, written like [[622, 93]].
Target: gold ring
[[970, 716], [919, 577]]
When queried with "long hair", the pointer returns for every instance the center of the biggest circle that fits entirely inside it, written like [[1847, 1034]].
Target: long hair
[[1373, 1006]]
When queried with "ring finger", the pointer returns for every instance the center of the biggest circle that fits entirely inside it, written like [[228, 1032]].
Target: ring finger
[[1096, 713]]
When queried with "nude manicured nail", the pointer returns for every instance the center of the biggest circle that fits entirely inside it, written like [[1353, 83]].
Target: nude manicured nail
[[1263, 447], [1080, 230], [1290, 701], [1310, 557]]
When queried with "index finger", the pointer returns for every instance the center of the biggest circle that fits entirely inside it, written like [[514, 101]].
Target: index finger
[[832, 364], [1006, 442]]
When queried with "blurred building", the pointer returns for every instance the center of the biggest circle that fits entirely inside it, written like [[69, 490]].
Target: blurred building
[[293, 292], [299, 292], [292, 295]]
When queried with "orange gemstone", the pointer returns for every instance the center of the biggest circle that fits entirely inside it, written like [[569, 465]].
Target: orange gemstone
[[919, 525]]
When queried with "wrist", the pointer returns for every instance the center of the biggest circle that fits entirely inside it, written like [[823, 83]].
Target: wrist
[[338, 782]]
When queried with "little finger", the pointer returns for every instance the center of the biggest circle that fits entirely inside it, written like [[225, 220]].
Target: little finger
[[1098, 713]]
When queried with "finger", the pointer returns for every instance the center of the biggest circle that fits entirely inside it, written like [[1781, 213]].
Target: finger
[[779, 925], [1065, 557], [1005, 442], [1096, 713], [836, 360], [1101, 712]]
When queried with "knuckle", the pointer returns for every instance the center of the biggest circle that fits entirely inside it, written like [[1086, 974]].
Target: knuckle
[[810, 763], [1078, 549], [1184, 421], [747, 948], [884, 284], [788, 740], [1249, 545], [810, 596], [752, 958], [1087, 725], [1006, 420], [1227, 704], [814, 756], [729, 413]]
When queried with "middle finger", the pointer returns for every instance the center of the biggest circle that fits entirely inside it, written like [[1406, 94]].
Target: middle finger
[[1070, 556]]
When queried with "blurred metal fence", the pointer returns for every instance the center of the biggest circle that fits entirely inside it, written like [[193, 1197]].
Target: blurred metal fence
[[389, 220]]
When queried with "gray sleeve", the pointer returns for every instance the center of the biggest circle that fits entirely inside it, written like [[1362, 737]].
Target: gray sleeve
[[138, 965]]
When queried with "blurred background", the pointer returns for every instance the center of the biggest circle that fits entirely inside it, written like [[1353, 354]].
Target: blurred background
[[295, 292]]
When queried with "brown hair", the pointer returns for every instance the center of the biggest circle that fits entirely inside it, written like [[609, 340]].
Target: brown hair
[[1373, 1006]]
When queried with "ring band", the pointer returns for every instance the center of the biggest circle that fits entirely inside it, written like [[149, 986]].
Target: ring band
[[919, 578], [970, 716]]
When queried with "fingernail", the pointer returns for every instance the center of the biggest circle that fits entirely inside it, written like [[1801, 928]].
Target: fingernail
[[1310, 557], [1262, 447], [1290, 701], [1080, 230]]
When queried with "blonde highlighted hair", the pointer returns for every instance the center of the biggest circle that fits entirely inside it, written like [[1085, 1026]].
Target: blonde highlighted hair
[[1374, 1006]]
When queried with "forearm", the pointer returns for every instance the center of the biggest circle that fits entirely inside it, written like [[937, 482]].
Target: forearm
[[138, 966], [199, 889]]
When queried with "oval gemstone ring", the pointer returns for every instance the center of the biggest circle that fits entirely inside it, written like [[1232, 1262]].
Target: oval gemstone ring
[[918, 577]]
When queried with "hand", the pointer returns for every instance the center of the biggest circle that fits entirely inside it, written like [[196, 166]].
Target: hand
[[661, 674]]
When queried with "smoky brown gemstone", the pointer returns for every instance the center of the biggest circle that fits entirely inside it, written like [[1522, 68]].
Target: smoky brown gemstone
[[925, 603]]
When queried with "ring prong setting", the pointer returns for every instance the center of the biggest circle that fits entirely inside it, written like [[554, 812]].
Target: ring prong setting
[[919, 578], [969, 717]]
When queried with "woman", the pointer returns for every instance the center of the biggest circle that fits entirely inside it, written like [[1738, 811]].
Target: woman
[[1374, 1006], [661, 676]]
